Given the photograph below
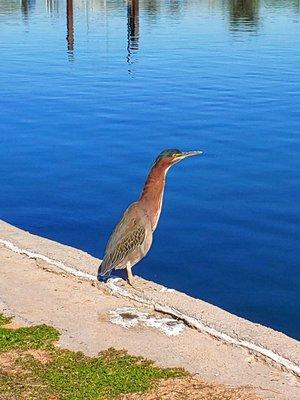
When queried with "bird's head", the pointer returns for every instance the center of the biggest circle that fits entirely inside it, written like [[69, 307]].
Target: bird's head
[[172, 156]]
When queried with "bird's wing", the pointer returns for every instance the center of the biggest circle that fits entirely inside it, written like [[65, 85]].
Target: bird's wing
[[127, 236], [126, 246]]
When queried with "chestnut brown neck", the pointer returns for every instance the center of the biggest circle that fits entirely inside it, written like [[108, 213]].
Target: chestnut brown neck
[[153, 191]]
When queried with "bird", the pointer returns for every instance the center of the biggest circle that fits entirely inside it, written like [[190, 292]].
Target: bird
[[132, 237]]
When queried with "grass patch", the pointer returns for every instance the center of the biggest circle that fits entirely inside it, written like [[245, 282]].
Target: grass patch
[[68, 375], [34, 337], [75, 376], [4, 320]]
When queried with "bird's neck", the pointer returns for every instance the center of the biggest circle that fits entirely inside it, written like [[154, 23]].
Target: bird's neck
[[153, 192]]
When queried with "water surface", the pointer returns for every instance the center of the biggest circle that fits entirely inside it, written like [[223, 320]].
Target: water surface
[[92, 90]]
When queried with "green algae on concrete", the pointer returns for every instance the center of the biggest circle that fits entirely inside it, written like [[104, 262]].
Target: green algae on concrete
[[34, 337], [31, 366], [4, 319]]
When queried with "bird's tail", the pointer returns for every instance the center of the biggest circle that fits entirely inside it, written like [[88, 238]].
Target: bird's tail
[[102, 276]]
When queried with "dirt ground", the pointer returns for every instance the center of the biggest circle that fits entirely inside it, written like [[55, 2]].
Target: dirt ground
[[192, 388]]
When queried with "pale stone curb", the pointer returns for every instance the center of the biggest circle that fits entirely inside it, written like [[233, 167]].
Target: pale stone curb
[[274, 347]]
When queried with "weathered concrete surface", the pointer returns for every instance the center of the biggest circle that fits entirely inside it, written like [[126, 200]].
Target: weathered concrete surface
[[80, 308]]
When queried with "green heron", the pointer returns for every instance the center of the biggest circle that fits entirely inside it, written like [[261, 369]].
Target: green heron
[[132, 237]]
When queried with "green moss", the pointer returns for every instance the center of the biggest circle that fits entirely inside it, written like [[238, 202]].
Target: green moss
[[4, 320], [75, 376], [71, 375], [35, 337], [19, 385]]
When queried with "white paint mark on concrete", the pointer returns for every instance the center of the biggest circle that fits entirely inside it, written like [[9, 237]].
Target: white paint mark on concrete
[[129, 317], [167, 290], [126, 316], [58, 264], [169, 326], [115, 279]]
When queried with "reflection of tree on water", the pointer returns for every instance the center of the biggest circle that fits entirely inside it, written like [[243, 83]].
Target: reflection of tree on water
[[27, 6], [132, 28], [52, 6], [244, 14], [152, 8], [70, 29], [285, 4]]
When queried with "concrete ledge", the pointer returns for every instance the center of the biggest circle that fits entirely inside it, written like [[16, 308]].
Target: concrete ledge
[[272, 346]]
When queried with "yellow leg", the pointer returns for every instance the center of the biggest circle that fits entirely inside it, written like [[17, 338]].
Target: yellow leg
[[129, 275]]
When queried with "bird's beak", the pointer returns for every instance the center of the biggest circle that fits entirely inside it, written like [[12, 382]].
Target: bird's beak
[[191, 153]]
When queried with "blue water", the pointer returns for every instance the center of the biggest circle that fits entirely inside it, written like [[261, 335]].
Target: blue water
[[92, 91]]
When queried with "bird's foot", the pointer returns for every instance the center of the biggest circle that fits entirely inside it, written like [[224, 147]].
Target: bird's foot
[[131, 283], [135, 284]]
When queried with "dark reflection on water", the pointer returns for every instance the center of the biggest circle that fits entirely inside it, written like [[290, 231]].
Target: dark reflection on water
[[133, 28], [77, 138], [27, 6], [244, 14], [70, 29]]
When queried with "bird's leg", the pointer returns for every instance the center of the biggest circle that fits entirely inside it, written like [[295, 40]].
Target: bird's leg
[[129, 274]]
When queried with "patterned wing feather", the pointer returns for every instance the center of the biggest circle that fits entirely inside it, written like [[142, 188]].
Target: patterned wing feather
[[117, 253]]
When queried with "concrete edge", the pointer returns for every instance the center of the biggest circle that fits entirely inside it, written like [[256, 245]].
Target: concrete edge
[[272, 346]]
